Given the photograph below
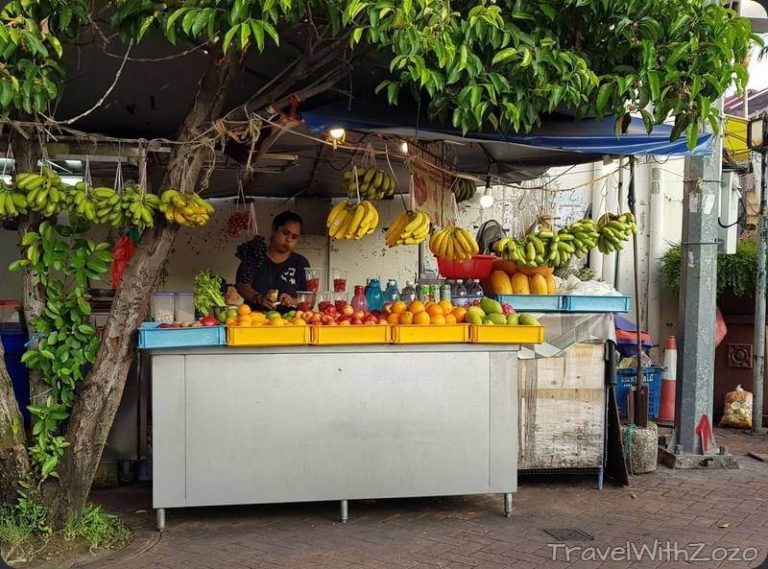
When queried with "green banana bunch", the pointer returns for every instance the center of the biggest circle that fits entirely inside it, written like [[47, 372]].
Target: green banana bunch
[[13, 201], [375, 184], [46, 194], [139, 207], [614, 231], [463, 189]]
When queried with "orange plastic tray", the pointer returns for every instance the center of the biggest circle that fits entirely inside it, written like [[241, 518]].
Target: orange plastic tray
[[500, 334], [337, 335], [268, 335], [430, 334]]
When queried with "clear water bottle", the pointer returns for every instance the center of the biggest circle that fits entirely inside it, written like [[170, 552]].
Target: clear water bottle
[[392, 294], [474, 291], [459, 293], [409, 293], [374, 295]]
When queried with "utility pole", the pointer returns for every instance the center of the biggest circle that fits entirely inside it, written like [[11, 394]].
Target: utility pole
[[758, 371], [695, 369]]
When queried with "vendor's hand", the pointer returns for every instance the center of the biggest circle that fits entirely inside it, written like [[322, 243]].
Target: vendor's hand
[[262, 300], [287, 300]]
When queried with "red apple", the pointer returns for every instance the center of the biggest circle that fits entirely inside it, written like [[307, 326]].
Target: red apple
[[165, 325], [317, 318], [359, 315], [371, 319], [387, 309], [209, 321], [346, 318], [330, 309], [357, 321]]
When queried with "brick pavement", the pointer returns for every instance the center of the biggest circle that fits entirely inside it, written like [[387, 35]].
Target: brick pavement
[[719, 508]]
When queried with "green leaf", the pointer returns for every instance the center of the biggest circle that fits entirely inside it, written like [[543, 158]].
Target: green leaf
[[86, 329], [654, 85], [693, 135], [647, 120], [271, 31], [258, 34], [49, 466], [245, 31], [603, 97], [504, 55], [55, 44], [18, 265], [228, 37], [29, 238]]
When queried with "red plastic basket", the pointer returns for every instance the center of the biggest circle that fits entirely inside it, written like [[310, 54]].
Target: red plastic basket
[[478, 267]]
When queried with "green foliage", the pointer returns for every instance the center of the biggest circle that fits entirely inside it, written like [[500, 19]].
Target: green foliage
[[98, 529], [503, 64], [62, 261], [31, 38], [736, 274]]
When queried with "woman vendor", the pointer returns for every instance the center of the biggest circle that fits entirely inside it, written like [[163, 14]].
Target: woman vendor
[[270, 274]]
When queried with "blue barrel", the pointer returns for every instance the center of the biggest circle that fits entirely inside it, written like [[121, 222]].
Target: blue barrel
[[13, 341]]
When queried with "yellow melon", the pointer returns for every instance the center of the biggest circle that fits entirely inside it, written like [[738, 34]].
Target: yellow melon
[[500, 283], [538, 284], [520, 284], [551, 284]]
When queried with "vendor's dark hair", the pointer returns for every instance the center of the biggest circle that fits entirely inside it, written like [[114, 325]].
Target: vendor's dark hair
[[286, 217]]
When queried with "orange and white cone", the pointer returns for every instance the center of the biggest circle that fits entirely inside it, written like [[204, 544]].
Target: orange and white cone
[[668, 382]]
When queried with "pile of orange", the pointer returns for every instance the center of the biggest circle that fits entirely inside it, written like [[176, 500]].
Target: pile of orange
[[417, 312]]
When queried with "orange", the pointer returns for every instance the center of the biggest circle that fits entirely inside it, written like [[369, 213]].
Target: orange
[[383, 320], [231, 321], [435, 310], [393, 318], [416, 307], [450, 319], [421, 318], [398, 307], [460, 313], [298, 322], [243, 309], [406, 318], [438, 319], [258, 318], [446, 305]]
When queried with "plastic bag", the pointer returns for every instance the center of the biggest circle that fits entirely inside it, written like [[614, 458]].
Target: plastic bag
[[121, 256], [721, 329], [738, 409]]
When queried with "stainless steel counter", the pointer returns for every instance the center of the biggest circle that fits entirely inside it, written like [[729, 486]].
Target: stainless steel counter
[[264, 425]]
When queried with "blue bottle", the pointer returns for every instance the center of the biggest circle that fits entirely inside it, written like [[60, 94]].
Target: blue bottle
[[392, 294], [374, 295]]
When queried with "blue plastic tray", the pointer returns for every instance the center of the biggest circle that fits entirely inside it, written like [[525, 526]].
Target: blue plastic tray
[[626, 378], [150, 337], [595, 303], [532, 302]]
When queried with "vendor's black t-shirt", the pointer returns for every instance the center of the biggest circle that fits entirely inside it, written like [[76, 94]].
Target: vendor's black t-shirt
[[287, 277]]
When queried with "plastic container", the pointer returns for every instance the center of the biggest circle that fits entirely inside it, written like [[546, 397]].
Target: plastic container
[[429, 334], [532, 302], [305, 300], [184, 307], [314, 276], [487, 334], [163, 307], [374, 296], [269, 336], [339, 280], [340, 300], [459, 295], [9, 312], [478, 267], [577, 303], [392, 294], [339, 335], [626, 378], [359, 302], [409, 293], [151, 337], [14, 341]]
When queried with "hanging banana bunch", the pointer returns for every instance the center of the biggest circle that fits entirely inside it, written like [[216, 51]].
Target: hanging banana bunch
[[614, 231], [45, 192], [13, 201], [410, 228], [139, 207], [453, 243], [463, 189], [374, 183], [352, 220], [188, 210]]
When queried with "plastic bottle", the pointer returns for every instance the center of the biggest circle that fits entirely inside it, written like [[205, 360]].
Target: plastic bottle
[[474, 291], [359, 301], [409, 293], [374, 295], [392, 294], [460, 294]]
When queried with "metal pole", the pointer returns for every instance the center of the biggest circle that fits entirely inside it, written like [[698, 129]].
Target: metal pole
[[758, 372], [641, 394]]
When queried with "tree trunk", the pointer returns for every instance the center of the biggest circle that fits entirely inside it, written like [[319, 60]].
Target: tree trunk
[[14, 463], [99, 396]]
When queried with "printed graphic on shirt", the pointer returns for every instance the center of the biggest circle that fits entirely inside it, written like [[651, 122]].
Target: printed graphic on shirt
[[289, 276]]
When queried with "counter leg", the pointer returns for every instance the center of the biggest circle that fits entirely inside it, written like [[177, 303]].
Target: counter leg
[[160, 519], [344, 511], [600, 478], [508, 504]]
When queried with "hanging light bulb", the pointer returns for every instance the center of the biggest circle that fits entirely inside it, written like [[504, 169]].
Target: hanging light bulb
[[404, 147], [337, 133], [486, 200]]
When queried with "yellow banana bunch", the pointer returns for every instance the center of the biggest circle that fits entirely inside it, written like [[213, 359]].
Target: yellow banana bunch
[[375, 184], [13, 201], [45, 192], [189, 210], [453, 243], [352, 221], [410, 228], [139, 207]]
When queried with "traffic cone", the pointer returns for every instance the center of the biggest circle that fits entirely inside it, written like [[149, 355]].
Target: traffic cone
[[668, 383]]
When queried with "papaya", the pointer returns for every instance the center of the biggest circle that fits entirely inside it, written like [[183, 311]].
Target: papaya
[[520, 284], [509, 267], [542, 270], [528, 320], [551, 284], [537, 284], [495, 319], [500, 283], [490, 306]]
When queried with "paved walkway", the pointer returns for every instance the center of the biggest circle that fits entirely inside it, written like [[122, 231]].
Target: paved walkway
[[722, 509]]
